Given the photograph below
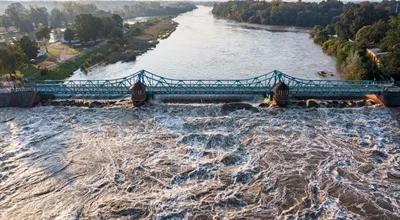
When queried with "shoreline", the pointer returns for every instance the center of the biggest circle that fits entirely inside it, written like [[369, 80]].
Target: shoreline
[[267, 27]]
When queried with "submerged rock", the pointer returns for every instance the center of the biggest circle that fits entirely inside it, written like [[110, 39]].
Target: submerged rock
[[359, 103], [221, 141], [122, 209], [244, 177], [378, 156], [231, 107], [310, 103], [233, 159]]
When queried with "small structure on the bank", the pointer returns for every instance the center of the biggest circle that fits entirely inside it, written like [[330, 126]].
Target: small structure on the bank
[[280, 94], [375, 54], [138, 92]]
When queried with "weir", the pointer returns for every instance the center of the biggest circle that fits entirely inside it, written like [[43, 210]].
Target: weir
[[261, 85]]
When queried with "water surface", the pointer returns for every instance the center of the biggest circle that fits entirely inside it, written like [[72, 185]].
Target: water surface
[[187, 161], [204, 47]]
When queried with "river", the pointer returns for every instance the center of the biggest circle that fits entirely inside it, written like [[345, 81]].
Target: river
[[196, 162], [208, 48]]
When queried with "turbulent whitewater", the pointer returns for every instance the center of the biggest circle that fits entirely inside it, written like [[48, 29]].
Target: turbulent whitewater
[[169, 161]]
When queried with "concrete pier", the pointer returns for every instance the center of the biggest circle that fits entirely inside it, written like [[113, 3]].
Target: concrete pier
[[20, 97], [391, 97]]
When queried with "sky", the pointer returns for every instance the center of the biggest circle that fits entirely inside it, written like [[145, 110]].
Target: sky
[[163, 0]]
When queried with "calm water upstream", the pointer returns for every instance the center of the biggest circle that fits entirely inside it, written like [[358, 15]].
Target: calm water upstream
[[206, 47]]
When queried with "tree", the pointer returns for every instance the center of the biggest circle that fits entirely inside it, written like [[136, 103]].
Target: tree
[[39, 16], [57, 18], [371, 35], [26, 26], [391, 63], [392, 38], [5, 22], [8, 61], [72, 9], [69, 35], [43, 33], [87, 27], [356, 16], [391, 44], [320, 34], [277, 12], [111, 26], [354, 69], [28, 47], [15, 11], [18, 15]]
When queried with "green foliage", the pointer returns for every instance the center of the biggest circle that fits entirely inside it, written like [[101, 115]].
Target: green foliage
[[392, 38], [320, 34], [304, 14], [8, 60], [5, 21], [391, 44], [371, 35], [28, 47], [57, 18], [353, 68], [44, 72], [391, 63], [151, 8], [19, 17], [111, 27], [87, 27], [90, 28], [351, 59], [69, 35], [356, 16], [43, 33], [39, 16]]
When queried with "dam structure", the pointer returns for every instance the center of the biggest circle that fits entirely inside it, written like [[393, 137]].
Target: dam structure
[[154, 85]]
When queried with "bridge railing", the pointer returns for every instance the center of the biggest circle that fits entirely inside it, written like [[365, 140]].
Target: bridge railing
[[158, 84]]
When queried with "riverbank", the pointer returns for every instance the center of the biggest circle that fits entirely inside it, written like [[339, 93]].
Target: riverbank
[[137, 39]]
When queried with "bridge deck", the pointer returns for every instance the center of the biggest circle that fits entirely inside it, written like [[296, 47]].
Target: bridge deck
[[258, 85]]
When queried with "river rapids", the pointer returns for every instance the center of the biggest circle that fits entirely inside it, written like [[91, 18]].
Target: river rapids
[[173, 161]]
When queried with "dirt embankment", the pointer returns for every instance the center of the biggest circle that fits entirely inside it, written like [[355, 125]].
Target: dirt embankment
[[161, 29]]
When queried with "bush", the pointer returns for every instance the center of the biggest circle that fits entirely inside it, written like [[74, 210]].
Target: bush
[[44, 72]]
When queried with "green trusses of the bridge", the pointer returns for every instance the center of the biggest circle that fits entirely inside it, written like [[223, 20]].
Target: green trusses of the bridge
[[262, 85]]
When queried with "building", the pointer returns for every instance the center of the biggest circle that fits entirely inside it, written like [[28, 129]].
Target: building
[[375, 54], [280, 94]]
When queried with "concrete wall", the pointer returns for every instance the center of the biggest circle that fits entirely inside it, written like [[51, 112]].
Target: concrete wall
[[207, 98], [391, 99], [22, 98]]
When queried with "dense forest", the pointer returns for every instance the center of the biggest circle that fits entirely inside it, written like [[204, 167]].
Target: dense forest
[[361, 27], [280, 13], [344, 30]]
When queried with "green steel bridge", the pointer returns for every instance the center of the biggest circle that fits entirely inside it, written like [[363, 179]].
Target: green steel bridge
[[260, 85]]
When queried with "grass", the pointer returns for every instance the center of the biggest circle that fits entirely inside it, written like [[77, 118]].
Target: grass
[[65, 69], [56, 50]]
